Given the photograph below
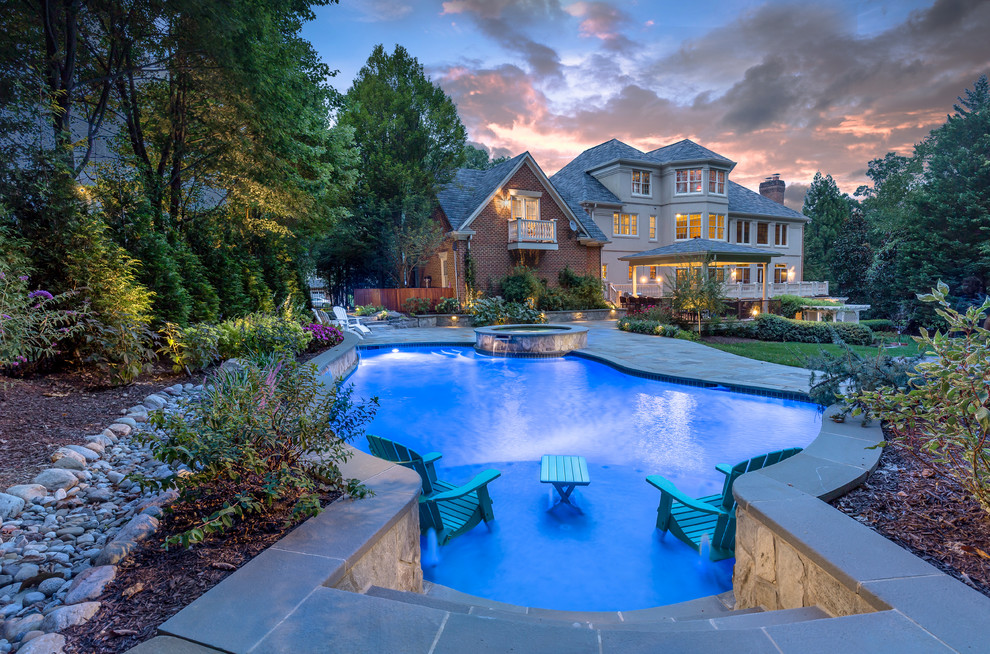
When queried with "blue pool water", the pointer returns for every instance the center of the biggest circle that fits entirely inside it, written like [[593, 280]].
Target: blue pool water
[[505, 413]]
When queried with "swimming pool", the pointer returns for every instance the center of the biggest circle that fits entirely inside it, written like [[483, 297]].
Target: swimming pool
[[505, 413]]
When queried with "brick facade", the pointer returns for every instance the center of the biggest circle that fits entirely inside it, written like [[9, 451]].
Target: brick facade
[[489, 246]]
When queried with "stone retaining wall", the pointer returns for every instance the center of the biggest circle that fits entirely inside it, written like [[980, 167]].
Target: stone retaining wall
[[445, 320], [341, 360]]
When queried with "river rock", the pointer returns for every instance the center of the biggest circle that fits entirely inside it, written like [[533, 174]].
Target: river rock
[[155, 402], [125, 421], [68, 616], [10, 506], [87, 454], [27, 571], [90, 584], [99, 495], [30, 493], [54, 478], [140, 527], [47, 644], [51, 585], [63, 457]]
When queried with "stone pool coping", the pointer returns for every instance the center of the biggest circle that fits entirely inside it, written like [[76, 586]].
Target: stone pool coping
[[885, 596]]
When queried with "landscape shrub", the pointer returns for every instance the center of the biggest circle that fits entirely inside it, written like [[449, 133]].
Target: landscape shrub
[[123, 347], [32, 328], [791, 304], [654, 312], [582, 291], [655, 328], [520, 285], [264, 434], [553, 299], [448, 305], [368, 310], [417, 306], [191, 348], [262, 333], [323, 336], [778, 328], [497, 311], [943, 414], [733, 327], [879, 325], [833, 374]]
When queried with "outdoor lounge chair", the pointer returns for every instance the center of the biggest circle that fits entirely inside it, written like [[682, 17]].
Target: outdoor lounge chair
[[350, 323], [450, 510], [690, 519]]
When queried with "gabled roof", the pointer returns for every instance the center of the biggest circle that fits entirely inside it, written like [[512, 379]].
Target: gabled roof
[[699, 248], [471, 190], [744, 201], [686, 150]]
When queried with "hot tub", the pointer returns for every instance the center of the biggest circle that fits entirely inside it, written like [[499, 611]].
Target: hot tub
[[534, 340]]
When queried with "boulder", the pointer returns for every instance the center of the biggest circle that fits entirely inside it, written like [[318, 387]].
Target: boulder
[[155, 402], [69, 616], [55, 478], [140, 527], [95, 446], [90, 584], [10, 506], [66, 453], [30, 493], [86, 453], [98, 440], [47, 644]]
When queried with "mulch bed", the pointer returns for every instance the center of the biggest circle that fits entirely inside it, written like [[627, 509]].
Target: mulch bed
[[925, 513], [42, 413], [154, 584]]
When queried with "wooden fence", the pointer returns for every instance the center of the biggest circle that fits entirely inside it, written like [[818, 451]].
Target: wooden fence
[[393, 298]]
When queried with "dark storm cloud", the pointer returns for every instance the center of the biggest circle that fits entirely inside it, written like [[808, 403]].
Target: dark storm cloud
[[789, 88], [500, 20]]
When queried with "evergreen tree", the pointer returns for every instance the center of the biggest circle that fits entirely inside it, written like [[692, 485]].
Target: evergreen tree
[[411, 141], [850, 258], [480, 158], [828, 209]]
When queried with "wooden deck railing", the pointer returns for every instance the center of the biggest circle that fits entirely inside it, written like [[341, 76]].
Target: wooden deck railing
[[532, 231]]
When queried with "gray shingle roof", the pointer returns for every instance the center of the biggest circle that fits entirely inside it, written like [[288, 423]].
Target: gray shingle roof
[[470, 188], [743, 200], [700, 247], [686, 150]]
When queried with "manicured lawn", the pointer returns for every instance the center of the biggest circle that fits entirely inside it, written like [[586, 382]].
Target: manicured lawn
[[797, 354]]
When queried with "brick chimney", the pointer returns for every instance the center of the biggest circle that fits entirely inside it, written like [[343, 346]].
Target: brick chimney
[[773, 188]]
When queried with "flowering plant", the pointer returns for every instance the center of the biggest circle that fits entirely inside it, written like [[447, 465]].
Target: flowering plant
[[31, 327], [323, 335]]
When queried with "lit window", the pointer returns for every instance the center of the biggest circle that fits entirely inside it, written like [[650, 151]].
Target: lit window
[[780, 234], [716, 182], [780, 273], [688, 181], [604, 271], [742, 231], [762, 233], [653, 272], [688, 226], [742, 275], [624, 224], [640, 182], [653, 228], [716, 226], [681, 274], [759, 274], [631, 271], [524, 207]]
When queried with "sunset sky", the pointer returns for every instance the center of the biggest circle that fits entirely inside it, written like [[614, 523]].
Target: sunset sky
[[790, 88]]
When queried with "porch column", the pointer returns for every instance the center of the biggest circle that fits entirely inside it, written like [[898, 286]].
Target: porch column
[[635, 272], [765, 305]]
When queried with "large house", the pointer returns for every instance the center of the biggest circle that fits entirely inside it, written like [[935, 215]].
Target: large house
[[636, 218], [508, 215], [671, 207]]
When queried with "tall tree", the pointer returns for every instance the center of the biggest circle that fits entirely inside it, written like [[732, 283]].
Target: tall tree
[[480, 158], [828, 210], [411, 141], [851, 256]]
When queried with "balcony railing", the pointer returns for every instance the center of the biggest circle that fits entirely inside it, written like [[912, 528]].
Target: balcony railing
[[732, 290], [532, 231]]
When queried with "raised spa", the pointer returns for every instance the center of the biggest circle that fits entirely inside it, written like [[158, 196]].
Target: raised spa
[[545, 340]]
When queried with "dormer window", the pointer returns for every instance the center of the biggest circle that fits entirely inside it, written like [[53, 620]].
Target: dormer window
[[688, 181], [716, 181], [641, 182]]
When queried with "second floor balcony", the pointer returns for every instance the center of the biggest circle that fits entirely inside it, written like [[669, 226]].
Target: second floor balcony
[[532, 234]]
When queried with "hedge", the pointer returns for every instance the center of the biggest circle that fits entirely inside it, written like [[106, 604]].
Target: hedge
[[879, 325], [655, 328], [776, 328]]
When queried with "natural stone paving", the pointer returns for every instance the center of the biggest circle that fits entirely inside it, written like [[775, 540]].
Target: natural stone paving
[[63, 532], [664, 356]]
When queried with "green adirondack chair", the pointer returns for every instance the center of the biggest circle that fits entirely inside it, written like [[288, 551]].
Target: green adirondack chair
[[449, 509], [689, 519]]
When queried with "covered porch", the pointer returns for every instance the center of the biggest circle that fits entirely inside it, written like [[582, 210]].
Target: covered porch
[[724, 257]]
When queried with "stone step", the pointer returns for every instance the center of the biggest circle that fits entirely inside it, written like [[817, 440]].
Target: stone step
[[737, 620]]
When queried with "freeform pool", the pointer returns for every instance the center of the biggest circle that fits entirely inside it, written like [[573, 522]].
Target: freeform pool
[[505, 413]]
